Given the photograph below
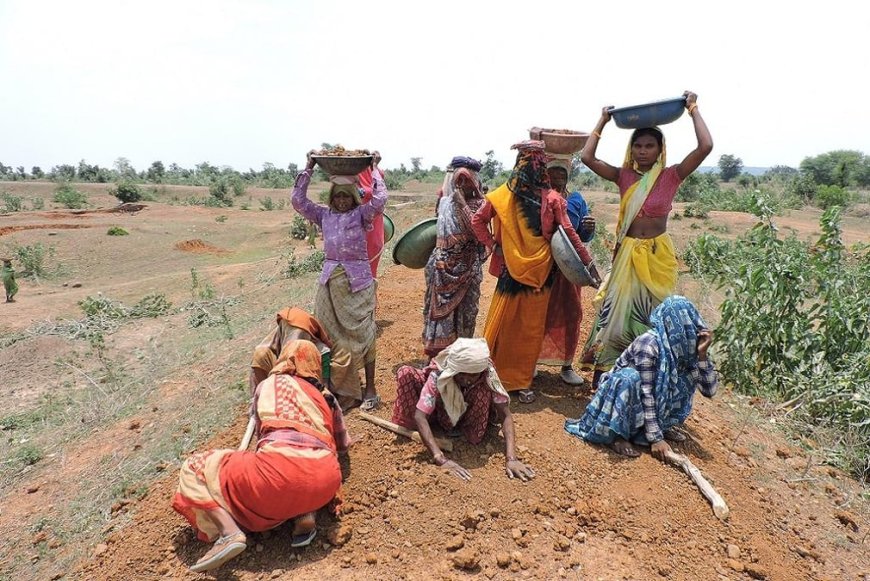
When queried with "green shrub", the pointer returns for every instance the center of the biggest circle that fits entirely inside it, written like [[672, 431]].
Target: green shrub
[[299, 228], [37, 203], [830, 196], [32, 259], [794, 327], [117, 231], [696, 210], [220, 219], [12, 203], [220, 193], [127, 192], [266, 204], [69, 197], [311, 263]]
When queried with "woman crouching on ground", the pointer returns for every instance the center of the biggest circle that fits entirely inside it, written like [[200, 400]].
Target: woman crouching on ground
[[345, 299], [293, 473], [649, 391], [461, 387]]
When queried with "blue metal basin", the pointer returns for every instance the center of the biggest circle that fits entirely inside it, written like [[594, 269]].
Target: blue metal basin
[[649, 114]]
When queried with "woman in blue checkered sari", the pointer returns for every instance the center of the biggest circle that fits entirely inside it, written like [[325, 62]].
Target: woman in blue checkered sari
[[648, 393]]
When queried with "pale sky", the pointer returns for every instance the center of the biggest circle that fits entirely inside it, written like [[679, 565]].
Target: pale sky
[[242, 82]]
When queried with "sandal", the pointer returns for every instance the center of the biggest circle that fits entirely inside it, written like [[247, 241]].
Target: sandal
[[224, 549], [370, 403], [303, 539], [526, 395]]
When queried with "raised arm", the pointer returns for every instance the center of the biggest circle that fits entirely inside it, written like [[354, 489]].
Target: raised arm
[[299, 198], [702, 134], [587, 156], [376, 205]]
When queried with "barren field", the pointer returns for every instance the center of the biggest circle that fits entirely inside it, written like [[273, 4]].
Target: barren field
[[93, 434]]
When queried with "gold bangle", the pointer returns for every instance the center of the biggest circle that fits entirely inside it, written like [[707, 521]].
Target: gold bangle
[[596, 134], [692, 107]]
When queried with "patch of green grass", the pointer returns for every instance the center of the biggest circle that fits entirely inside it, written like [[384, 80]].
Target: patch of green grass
[[117, 231]]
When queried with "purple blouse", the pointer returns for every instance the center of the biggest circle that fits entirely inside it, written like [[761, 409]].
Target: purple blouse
[[344, 233]]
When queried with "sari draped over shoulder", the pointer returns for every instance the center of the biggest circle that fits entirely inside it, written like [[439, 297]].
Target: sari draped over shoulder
[[643, 274], [295, 468], [453, 274], [517, 315]]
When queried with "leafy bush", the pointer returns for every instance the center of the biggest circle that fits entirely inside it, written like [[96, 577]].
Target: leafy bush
[[266, 204], [394, 181], [127, 192], [117, 231], [794, 327], [32, 259], [299, 228], [220, 219], [12, 203], [220, 193], [311, 263], [69, 197], [37, 203], [696, 210], [830, 196]]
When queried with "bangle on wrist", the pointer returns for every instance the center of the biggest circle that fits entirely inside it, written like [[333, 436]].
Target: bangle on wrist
[[596, 134], [691, 108]]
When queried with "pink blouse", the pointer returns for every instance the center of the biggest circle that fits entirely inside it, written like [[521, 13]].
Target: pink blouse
[[660, 200]]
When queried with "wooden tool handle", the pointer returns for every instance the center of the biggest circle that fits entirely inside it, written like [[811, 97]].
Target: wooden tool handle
[[397, 429], [249, 432], [720, 509]]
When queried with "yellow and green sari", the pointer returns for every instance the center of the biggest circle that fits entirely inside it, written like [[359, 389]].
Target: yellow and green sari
[[643, 274]]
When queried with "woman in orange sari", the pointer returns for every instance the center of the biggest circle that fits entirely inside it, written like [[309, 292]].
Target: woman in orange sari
[[293, 472], [525, 213]]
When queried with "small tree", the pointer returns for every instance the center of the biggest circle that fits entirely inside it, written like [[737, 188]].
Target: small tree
[[127, 192], [729, 167], [37, 172], [156, 172]]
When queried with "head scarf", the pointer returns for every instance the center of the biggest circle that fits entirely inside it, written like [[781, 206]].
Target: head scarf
[[676, 323], [349, 184], [628, 161], [466, 174], [466, 162], [300, 358], [528, 177], [465, 355]]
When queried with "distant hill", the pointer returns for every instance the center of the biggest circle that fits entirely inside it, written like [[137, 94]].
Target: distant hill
[[756, 171]]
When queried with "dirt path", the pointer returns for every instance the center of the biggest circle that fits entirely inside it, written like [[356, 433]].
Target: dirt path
[[588, 513]]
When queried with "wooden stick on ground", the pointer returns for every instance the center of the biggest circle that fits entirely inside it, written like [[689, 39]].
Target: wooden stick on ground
[[446, 445], [720, 509], [249, 433]]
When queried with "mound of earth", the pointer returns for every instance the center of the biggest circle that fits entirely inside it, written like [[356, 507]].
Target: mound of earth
[[199, 246]]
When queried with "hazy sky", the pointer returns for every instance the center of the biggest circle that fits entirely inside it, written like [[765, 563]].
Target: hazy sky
[[242, 82]]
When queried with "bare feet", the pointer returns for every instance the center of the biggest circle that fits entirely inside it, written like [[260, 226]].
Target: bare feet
[[624, 448]]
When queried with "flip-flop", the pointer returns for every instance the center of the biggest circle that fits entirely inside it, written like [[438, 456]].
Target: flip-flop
[[526, 395], [370, 403], [224, 549], [303, 539]]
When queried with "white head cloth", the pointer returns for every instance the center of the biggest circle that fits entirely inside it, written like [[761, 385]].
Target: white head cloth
[[464, 355]]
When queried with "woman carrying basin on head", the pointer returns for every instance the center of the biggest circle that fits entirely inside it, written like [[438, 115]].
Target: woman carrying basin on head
[[644, 270], [345, 299]]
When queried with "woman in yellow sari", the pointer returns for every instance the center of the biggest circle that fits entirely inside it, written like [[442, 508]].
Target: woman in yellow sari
[[644, 270], [525, 213]]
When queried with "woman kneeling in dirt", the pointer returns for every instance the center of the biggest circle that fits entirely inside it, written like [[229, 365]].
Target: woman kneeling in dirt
[[293, 473], [461, 387], [648, 393]]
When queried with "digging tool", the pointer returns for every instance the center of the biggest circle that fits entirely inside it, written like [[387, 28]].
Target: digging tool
[[396, 429], [720, 509], [249, 433]]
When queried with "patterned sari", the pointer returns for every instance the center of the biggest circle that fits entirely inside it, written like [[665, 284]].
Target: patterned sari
[[454, 270], [295, 468]]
